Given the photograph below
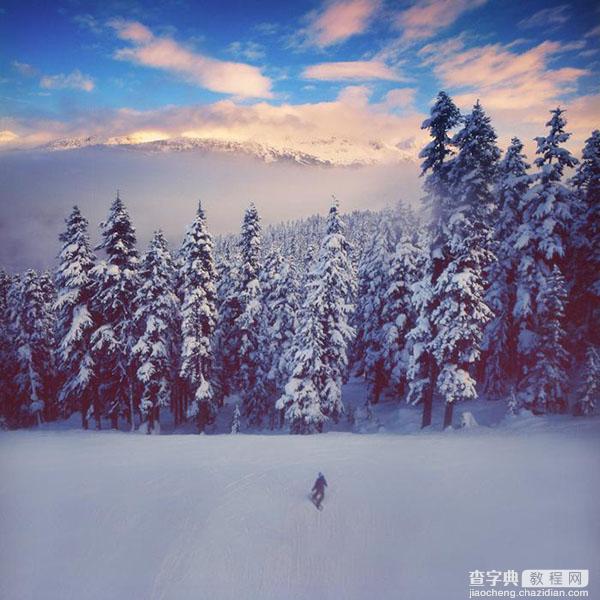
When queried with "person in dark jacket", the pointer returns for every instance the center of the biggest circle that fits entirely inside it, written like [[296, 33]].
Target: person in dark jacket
[[318, 490]]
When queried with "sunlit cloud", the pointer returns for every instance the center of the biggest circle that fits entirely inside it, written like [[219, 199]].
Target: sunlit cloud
[[164, 53], [425, 18], [348, 70], [400, 98], [336, 22], [347, 130], [7, 136], [518, 89], [73, 81], [504, 78]]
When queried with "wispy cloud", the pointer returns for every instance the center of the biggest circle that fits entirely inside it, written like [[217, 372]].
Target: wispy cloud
[[547, 18], [73, 81], [351, 70], [425, 18], [336, 21], [249, 50], [164, 53], [24, 69], [595, 32]]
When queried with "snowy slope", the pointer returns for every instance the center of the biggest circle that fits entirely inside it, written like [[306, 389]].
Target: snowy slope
[[88, 515]]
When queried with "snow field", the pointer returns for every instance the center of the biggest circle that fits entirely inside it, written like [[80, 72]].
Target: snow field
[[88, 515]]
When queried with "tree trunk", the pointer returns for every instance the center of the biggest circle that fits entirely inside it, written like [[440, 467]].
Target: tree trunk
[[97, 415], [448, 414], [428, 399], [131, 405]]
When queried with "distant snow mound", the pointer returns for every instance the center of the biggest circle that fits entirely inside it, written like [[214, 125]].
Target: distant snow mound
[[467, 420]]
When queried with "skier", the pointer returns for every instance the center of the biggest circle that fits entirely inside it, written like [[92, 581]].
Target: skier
[[318, 490]]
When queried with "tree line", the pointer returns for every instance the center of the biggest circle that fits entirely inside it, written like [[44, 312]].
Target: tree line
[[492, 289]]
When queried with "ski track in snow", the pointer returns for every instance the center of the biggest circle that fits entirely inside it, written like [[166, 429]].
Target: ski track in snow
[[101, 516]]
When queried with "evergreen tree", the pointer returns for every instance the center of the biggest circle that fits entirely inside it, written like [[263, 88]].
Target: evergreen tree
[[590, 396], [155, 323], [74, 320], [398, 313], [226, 351], [302, 400], [423, 371], [585, 295], [34, 349], [542, 239], [460, 313], [235, 422], [199, 320], [332, 286], [248, 322], [500, 341], [115, 286], [546, 383], [373, 277], [278, 321], [8, 363]]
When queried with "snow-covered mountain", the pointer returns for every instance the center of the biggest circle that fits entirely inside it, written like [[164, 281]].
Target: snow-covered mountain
[[325, 152]]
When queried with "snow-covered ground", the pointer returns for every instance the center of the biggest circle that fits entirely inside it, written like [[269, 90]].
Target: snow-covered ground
[[111, 515]]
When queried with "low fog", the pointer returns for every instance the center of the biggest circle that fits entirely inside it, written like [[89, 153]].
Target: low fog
[[38, 189]]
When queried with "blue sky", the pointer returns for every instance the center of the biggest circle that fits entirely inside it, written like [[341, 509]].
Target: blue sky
[[290, 73]]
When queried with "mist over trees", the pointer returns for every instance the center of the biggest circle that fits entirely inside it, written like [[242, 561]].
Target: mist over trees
[[492, 290]]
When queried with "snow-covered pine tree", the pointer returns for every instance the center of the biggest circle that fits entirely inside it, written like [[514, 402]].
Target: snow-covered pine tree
[[51, 409], [584, 309], [226, 351], [373, 278], [460, 314], [199, 320], [247, 324], [8, 364], [279, 288], [398, 313], [302, 400], [34, 330], [590, 395], [74, 320], [500, 342], [422, 370], [542, 239], [236, 420], [115, 286], [333, 285], [546, 383], [155, 327]]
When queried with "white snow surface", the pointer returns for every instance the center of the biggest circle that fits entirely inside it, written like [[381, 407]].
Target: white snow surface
[[110, 515]]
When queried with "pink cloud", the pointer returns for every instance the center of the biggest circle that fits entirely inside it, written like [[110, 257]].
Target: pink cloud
[[517, 88], [164, 53], [349, 70], [339, 20], [426, 17], [502, 78], [400, 98]]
